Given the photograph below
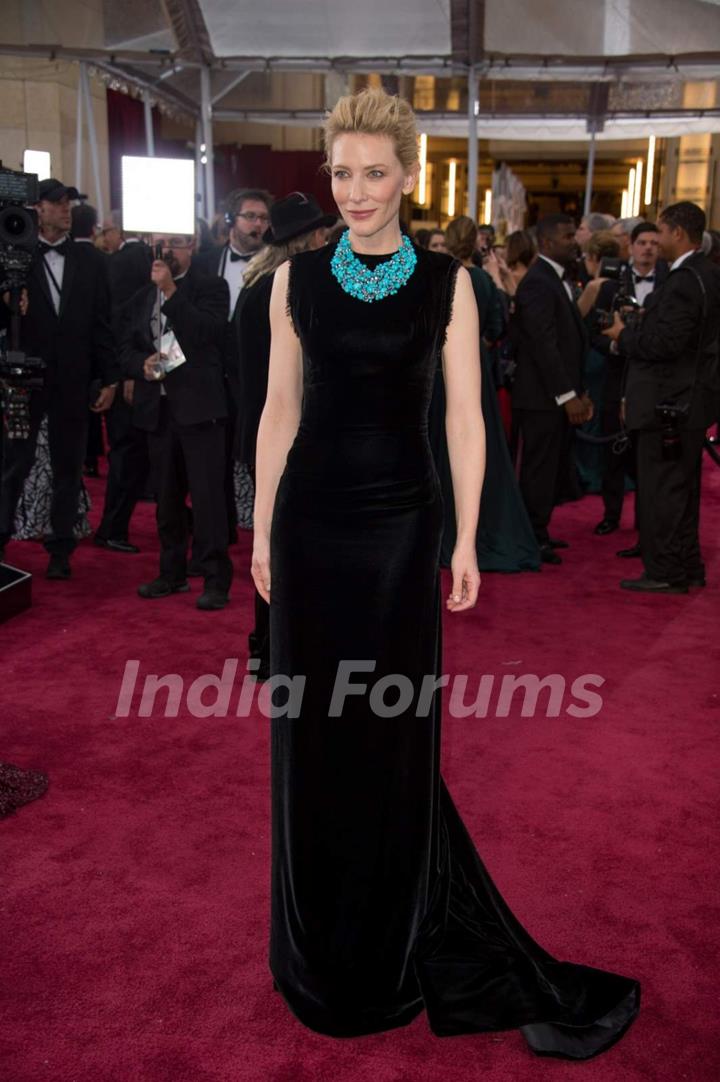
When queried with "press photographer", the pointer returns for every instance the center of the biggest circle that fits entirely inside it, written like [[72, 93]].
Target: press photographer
[[671, 397], [624, 288], [172, 340], [65, 324]]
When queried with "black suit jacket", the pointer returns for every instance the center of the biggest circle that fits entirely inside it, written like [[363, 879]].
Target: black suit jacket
[[550, 340], [616, 362], [211, 262], [76, 343], [673, 353], [197, 312], [129, 271]]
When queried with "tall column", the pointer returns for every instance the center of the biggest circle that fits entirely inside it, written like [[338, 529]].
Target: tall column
[[206, 122], [472, 174]]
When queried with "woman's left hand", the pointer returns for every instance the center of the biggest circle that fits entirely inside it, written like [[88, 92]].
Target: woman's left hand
[[465, 580]]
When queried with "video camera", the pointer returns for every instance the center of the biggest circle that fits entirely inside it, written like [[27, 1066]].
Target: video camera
[[624, 301], [19, 374]]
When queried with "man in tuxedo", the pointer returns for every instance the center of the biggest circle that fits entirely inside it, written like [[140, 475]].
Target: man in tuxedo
[[83, 229], [184, 411], [67, 324], [548, 395], [128, 461], [644, 274], [248, 217], [673, 364]]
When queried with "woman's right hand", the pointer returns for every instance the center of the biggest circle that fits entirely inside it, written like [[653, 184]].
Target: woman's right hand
[[260, 567]]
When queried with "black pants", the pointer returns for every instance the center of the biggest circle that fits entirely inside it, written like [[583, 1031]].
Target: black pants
[[615, 467], [128, 468], [191, 459], [67, 440], [95, 446], [543, 436], [669, 507]]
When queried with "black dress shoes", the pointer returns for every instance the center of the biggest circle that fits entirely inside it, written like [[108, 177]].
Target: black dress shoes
[[548, 555], [162, 587], [211, 598], [631, 553], [555, 544], [608, 525], [58, 568], [653, 586], [116, 544]]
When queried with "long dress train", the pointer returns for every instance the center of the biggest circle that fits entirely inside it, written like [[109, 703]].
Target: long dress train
[[380, 904]]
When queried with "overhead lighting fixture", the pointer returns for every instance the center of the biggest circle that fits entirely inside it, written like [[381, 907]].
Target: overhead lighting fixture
[[624, 204], [487, 207], [422, 178], [638, 187], [37, 161], [452, 182], [631, 193], [649, 176]]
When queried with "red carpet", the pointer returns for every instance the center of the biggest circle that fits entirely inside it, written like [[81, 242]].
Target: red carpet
[[135, 893]]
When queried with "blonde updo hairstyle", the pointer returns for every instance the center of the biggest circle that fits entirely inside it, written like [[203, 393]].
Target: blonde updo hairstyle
[[374, 112]]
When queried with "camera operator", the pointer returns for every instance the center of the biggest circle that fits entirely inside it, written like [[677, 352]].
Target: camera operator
[[248, 218], [184, 410], [66, 323], [635, 281], [671, 396]]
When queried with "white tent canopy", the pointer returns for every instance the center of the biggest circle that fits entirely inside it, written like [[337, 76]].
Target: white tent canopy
[[328, 28]]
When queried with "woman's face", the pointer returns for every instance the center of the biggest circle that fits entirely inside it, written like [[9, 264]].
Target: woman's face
[[437, 243], [368, 181]]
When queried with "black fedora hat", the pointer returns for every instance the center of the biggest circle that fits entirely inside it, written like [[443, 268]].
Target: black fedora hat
[[294, 215], [53, 190]]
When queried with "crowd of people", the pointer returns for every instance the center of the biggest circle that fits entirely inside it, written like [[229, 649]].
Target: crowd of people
[[588, 383]]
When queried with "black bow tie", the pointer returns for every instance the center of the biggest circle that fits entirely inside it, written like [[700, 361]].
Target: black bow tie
[[61, 249], [234, 256], [647, 278]]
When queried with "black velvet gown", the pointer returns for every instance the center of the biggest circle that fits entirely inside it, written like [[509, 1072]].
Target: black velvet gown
[[381, 906]]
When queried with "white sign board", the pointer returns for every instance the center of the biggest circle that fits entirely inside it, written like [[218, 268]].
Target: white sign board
[[158, 195]]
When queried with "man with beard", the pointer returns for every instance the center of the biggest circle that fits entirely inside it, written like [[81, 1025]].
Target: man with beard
[[248, 217], [180, 401]]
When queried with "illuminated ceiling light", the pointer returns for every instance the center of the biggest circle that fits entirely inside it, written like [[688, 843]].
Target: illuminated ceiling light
[[649, 176], [624, 204], [452, 182], [422, 178], [631, 193], [487, 207], [638, 187]]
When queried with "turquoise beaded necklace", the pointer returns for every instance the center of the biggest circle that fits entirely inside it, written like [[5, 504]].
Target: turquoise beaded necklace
[[372, 285]]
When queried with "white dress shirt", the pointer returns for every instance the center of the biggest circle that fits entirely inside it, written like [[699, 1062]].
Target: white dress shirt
[[681, 258], [561, 399], [55, 264], [233, 272]]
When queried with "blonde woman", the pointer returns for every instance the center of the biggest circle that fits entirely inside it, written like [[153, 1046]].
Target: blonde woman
[[380, 905], [297, 224]]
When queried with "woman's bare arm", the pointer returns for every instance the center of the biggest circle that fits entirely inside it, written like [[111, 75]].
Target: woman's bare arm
[[278, 424], [465, 436]]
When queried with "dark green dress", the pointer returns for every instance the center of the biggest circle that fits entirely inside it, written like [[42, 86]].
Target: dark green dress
[[505, 539]]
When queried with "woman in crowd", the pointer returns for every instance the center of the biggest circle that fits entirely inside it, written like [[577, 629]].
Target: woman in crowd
[[297, 224], [505, 540]]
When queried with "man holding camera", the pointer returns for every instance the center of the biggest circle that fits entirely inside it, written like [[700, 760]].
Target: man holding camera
[[671, 397], [65, 322], [172, 346], [634, 283]]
